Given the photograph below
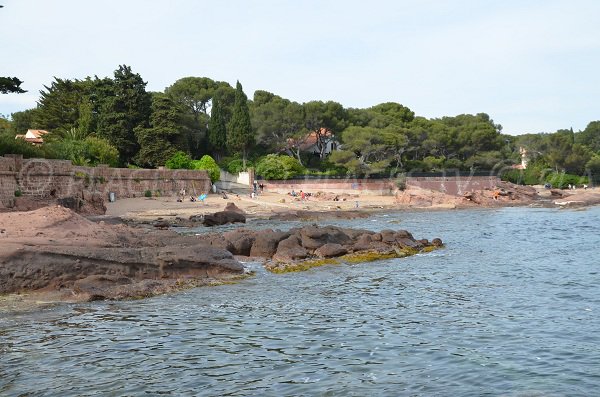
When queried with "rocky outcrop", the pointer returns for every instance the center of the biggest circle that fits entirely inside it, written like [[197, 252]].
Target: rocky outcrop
[[223, 217], [316, 215], [310, 246], [55, 248]]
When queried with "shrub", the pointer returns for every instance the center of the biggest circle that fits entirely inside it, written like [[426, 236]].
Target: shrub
[[10, 145], [273, 166], [148, 193], [401, 181], [210, 165], [235, 165], [562, 180], [18, 193], [179, 160]]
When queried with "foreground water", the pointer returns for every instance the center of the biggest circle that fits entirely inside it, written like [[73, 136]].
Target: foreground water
[[509, 307]]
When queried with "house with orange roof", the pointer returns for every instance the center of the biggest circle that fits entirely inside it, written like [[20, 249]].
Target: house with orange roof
[[35, 137]]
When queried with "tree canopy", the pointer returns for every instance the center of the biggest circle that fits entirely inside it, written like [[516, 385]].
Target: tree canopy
[[199, 116]]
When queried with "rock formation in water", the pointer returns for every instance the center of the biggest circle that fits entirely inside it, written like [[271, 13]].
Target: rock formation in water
[[55, 248], [309, 246]]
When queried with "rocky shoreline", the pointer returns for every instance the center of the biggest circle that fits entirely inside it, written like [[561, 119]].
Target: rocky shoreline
[[54, 249]]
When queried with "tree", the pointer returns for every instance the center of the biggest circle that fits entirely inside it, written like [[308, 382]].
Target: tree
[[217, 130], [60, 103], [393, 113], [128, 106], [240, 135], [11, 85], [593, 168], [158, 142], [22, 121], [590, 136], [279, 123], [324, 119]]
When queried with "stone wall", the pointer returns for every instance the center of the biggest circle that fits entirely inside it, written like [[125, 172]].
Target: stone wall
[[453, 185], [42, 178]]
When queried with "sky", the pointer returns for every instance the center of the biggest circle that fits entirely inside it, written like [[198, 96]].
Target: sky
[[533, 66]]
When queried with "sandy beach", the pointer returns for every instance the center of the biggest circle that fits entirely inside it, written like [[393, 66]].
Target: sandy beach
[[264, 205]]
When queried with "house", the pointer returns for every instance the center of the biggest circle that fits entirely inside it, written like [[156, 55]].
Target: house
[[33, 136], [321, 142]]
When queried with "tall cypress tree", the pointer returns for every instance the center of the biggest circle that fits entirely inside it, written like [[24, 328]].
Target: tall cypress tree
[[240, 135], [217, 132]]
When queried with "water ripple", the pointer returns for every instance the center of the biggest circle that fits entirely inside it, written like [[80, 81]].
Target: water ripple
[[508, 308]]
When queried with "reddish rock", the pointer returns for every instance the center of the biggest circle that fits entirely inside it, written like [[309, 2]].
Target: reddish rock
[[223, 217], [330, 250], [290, 249], [266, 242]]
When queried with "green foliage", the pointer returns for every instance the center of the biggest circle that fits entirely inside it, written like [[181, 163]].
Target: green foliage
[[180, 160], [18, 193], [22, 121], [125, 105], [593, 168], [234, 165], [273, 166], [279, 123], [60, 103], [10, 145], [562, 180], [100, 151], [217, 131], [590, 136], [158, 142], [240, 136], [148, 193], [209, 164], [89, 151], [400, 181], [11, 85]]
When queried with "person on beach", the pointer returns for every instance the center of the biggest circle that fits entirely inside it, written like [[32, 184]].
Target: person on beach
[[302, 195]]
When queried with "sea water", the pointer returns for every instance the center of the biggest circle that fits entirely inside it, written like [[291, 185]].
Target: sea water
[[510, 307]]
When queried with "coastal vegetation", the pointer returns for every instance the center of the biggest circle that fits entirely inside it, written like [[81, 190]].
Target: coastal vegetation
[[115, 120]]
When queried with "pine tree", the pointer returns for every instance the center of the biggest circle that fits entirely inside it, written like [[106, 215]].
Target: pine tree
[[126, 107], [217, 132], [240, 135]]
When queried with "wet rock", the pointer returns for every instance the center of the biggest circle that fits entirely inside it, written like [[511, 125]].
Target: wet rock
[[314, 237], [290, 249], [330, 250], [241, 241], [223, 217], [234, 208], [266, 242]]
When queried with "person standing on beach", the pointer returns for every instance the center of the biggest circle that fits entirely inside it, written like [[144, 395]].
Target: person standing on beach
[[302, 195]]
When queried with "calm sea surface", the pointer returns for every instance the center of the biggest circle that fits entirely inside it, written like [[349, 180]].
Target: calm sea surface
[[510, 307]]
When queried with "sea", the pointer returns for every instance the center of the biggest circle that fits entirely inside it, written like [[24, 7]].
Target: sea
[[509, 307]]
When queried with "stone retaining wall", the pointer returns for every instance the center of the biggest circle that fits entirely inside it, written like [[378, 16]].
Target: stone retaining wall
[[42, 178], [453, 185]]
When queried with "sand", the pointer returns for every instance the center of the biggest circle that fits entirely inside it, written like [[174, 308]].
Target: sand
[[264, 205]]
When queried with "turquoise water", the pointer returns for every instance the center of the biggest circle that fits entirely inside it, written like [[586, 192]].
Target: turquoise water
[[510, 307]]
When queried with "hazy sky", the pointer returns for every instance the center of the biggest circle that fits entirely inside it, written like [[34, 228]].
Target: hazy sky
[[531, 65]]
